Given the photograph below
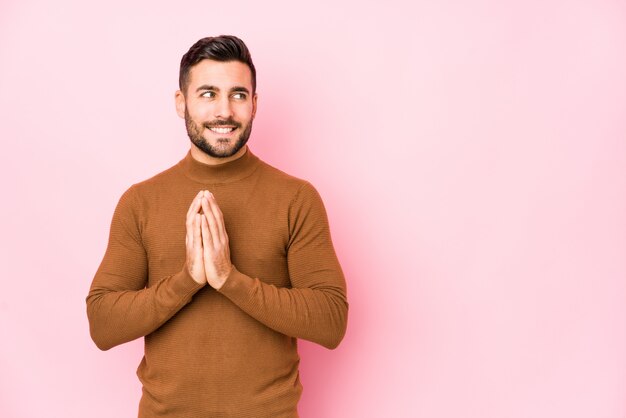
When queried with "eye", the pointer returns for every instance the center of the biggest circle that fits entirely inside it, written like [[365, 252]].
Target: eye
[[208, 94], [239, 96]]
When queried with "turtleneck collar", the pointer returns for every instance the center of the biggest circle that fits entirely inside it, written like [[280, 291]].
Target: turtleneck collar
[[221, 173]]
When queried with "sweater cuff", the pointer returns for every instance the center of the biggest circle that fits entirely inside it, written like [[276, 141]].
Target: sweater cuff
[[182, 284], [237, 286]]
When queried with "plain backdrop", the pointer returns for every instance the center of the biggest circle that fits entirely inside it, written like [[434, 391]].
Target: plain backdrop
[[471, 156]]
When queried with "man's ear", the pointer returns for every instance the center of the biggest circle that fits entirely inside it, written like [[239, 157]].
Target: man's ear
[[179, 98], [254, 100]]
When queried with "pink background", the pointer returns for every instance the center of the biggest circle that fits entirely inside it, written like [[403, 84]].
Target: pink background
[[471, 155]]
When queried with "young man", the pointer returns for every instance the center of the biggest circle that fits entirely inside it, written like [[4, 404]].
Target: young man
[[221, 262]]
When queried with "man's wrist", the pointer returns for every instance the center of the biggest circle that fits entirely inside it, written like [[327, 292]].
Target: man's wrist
[[224, 278]]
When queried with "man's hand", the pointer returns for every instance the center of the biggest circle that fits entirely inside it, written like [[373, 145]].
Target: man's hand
[[217, 264], [193, 240]]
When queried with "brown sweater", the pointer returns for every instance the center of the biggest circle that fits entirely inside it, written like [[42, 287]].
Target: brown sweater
[[232, 352]]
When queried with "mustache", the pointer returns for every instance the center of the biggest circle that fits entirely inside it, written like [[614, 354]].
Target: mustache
[[222, 122]]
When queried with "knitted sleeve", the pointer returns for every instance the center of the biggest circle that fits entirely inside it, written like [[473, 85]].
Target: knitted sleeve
[[315, 308], [120, 307]]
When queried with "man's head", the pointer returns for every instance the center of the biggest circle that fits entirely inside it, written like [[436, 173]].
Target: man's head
[[221, 48], [217, 96]]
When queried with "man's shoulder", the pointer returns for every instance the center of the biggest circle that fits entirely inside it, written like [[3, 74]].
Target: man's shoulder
[[281, 180], [161, 178], [298, 191], [275, 174], [155, 184]]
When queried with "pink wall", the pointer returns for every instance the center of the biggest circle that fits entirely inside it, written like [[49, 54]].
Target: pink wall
[[471, 154]]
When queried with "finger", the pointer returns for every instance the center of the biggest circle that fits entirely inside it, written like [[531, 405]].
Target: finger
[[212, 222], [207, 240], [219, 219], [193, 207], [197, 233]]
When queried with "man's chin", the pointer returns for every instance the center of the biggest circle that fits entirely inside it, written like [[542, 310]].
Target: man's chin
[[225, 147]]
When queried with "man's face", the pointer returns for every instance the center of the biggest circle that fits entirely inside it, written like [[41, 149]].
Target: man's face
[[218, 106]]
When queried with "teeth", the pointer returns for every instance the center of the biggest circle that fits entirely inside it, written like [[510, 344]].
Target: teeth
[[222, 130]]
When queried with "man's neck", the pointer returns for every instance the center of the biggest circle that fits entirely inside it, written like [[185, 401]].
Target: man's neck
[[203, 157]]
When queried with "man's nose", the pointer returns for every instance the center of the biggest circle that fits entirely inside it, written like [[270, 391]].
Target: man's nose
[[223, 108]]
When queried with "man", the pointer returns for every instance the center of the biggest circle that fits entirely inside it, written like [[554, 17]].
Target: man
[[221, 262]]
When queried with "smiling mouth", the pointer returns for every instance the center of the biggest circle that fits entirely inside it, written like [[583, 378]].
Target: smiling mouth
[[221, 130]]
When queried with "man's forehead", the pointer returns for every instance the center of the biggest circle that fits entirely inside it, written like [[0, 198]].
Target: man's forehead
[[220, 73]]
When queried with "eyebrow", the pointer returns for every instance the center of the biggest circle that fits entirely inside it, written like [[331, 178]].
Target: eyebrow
[[236, 89]]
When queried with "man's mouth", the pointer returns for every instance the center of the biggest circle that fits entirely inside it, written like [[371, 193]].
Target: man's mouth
[[221, 130]]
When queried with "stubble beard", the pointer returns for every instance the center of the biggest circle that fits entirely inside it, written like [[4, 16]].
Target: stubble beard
[[195, 136]]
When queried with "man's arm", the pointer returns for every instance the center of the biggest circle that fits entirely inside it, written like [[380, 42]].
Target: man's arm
[[315, 308], [119, 306]]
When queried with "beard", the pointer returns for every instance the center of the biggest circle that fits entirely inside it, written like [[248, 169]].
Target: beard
[[194, 131]]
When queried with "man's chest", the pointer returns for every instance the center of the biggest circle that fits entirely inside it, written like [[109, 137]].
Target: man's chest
[[257, 228]]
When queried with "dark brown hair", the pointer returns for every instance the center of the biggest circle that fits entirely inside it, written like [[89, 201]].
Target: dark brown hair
[[219, 48]]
